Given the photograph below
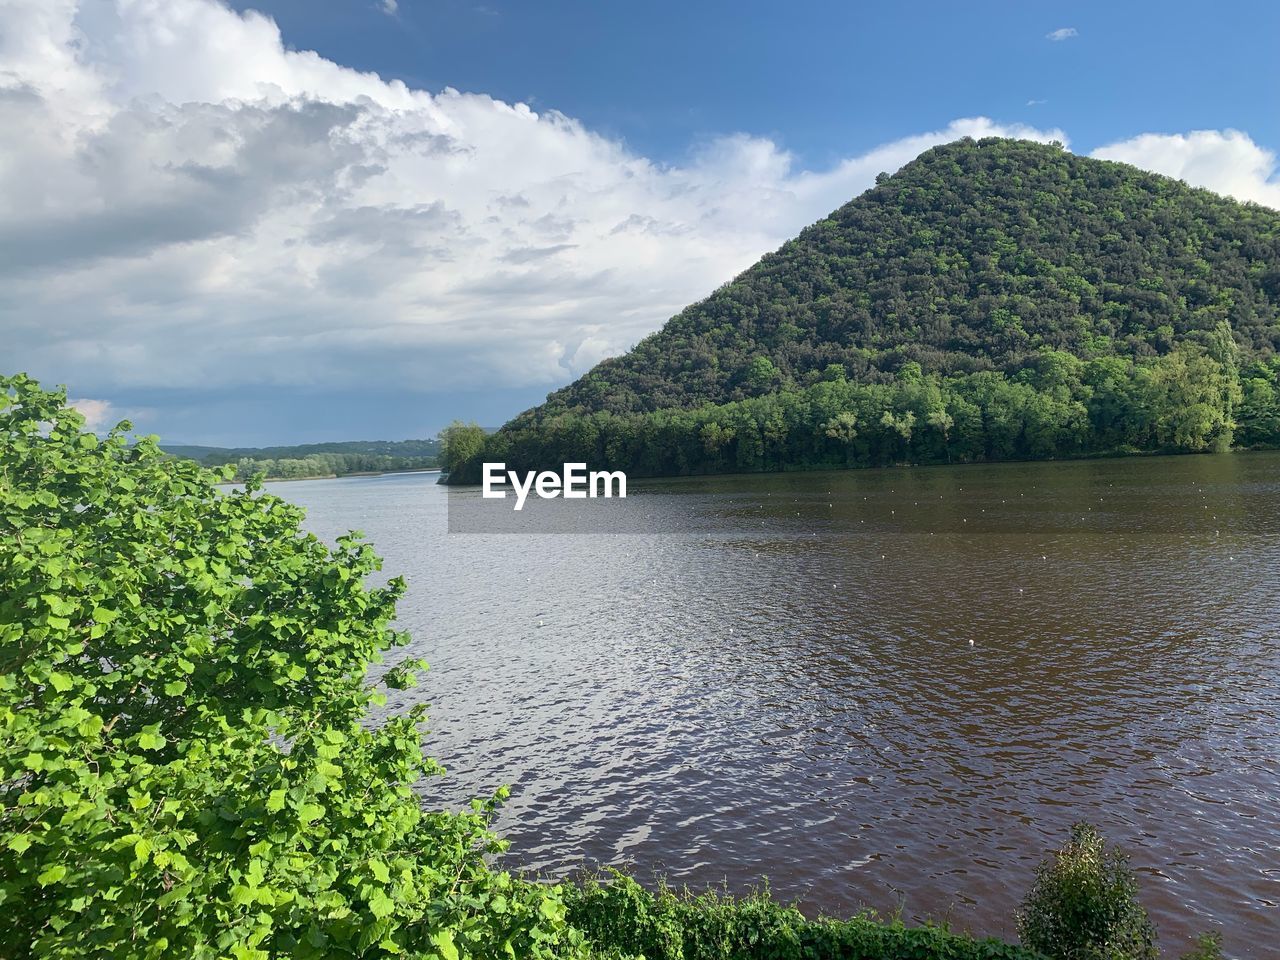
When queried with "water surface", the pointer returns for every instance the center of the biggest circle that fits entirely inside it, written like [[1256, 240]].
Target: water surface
[[891, 689]]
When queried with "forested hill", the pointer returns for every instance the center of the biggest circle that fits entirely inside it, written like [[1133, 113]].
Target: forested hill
[[973, 257], [979, 263]]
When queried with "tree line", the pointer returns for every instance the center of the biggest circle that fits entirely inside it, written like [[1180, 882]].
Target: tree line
[[1196, 398], [328, 465]]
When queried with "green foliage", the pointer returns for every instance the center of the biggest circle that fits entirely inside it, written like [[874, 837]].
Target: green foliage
[[619, 915], [1084, 905], [459, 443], [327, 465], [1058, 406], [316, 459], [1208, 947], [397, 449], [187, 765], [978, 255]]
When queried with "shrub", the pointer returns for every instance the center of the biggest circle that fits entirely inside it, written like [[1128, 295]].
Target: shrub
[[616, 913], [1084, 905], [187, 768], [1208, 947]]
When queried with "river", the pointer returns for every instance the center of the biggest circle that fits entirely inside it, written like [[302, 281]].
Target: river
[[889, 689]]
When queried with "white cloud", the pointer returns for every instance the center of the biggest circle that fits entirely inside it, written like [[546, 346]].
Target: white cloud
[[176, 214], [99, 415], [1062, 33], [190, 203], [390, 7], [1226, 161]]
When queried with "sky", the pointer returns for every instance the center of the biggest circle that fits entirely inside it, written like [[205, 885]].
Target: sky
[[289, 221]]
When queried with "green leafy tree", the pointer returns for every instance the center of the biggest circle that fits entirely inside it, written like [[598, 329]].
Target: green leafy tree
[[460, 445], [842, 427], [1084, 905], [760, 373], [187, 764]]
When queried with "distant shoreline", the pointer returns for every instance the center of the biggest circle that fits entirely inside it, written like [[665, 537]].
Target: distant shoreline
[[344, 476]]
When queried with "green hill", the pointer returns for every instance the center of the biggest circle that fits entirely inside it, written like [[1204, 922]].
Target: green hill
[[992, 299]]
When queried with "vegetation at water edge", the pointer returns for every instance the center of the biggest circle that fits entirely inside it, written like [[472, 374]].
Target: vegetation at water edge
[[316, 459], [189, 766]]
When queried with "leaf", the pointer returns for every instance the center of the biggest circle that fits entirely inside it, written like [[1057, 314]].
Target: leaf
[[382, 906], [151, 741], [442, 940], [310, 812], [52, 874]]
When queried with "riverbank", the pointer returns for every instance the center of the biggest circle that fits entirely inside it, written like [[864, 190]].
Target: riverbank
[[833, 704], [344, 476]]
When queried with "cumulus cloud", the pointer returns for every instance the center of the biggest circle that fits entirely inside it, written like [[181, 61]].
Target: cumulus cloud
[[390, 7], [1226, 161], [1062, 33], [193, 203]]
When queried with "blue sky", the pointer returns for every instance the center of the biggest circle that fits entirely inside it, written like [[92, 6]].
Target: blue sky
[[292, 221], [827, 79]]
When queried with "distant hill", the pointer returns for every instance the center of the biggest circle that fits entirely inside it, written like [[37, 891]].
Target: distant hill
[[316, 459], [992, 299], [387, 448]]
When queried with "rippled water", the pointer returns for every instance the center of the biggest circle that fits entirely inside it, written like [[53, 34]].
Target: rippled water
[[891, 689]]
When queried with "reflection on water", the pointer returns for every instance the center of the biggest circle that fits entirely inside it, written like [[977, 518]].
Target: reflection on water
[[890, 688]]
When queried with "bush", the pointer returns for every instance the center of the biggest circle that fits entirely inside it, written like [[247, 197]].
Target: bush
[[618, 914], [187, 768], [1084, 905], [1208, 947]]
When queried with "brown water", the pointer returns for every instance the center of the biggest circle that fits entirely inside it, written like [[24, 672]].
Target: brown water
[[891, 689]]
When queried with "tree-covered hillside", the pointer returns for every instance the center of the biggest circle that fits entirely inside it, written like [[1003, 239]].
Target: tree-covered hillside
[[975, 256], [992, 299]]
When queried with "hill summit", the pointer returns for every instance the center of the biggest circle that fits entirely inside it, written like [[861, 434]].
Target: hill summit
[[991, 276]]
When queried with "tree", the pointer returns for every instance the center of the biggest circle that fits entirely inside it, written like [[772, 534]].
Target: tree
[[842, 427], [898, 427], [187, 763], [460, 443], [1084, 905], [942, 421], [760, 373]]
